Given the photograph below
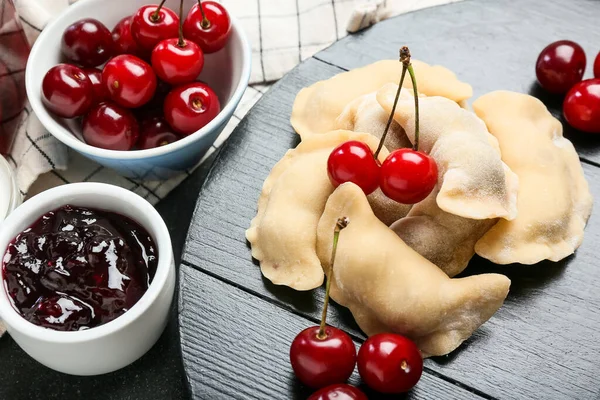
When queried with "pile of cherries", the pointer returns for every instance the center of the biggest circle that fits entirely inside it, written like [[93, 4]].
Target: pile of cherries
[[146, 95], [324, 357], [559, 69], [406, 175]]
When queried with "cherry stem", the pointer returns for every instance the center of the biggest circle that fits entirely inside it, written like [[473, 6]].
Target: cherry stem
[[340, 224], [181, 42], [205, 24], [154, 16], [391, 118]]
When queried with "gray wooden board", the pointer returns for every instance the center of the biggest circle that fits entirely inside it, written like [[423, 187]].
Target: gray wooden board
[[236, 346], [544, 343]]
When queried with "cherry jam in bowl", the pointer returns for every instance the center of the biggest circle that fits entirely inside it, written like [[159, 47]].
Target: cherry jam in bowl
[[87, 277]]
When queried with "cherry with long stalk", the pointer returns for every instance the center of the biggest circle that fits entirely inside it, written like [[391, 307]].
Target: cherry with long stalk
[[208, 24], [323, 355], [177, 60], [406, 175]]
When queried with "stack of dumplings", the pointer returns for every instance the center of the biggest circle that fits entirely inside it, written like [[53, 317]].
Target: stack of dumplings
[[510, 188]]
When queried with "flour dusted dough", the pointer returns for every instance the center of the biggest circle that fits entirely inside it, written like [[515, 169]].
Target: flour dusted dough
[[474, 182], [317, 107], [554, 201], [283, 233], [389, 287], [445, 239]]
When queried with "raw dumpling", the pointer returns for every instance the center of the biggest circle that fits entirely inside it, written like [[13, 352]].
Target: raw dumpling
[[389, 287], [445, 239], [474, 182], [365, 114], [554, 201], [283, 233], [317, 107]]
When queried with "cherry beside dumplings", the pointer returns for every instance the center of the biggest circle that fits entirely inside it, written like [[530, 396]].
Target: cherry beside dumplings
[[389, 287], [554, 201]]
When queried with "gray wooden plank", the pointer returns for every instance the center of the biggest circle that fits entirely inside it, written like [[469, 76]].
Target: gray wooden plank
[[236, 346], [491, 44], [541, 345]]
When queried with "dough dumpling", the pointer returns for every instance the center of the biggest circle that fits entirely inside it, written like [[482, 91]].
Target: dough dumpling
[[283, 233], [389, 287], [445, 239], [554, 201], [317, 107], [474, 182]]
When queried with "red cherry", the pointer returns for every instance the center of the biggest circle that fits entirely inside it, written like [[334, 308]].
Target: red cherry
[[353, 161], [124, 42], [210, 30], [581, 107], [322, 362], [95, 76], [175, 63], [408, 176], [87, 42], [67, 91], [390, 363], [560, 66], [148, 27], [130, 81], [340, 391], [190, 107], [597, 66], [110, 127], [155, 132]]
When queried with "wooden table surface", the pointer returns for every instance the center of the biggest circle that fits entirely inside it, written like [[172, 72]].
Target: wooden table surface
[[236, 327]]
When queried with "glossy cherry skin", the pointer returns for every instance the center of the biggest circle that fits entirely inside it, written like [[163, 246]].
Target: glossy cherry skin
[[177, 64], [190, 107], [597, 66], [155, 132], [213, 36], [390, 363], [353, 161], [581, 107], [147, 31], [408, 176], [95, 76], [87, 42], [339, 391], [110, 127], [124, 42], [322, 362], [130, 80], [560, 66], [67, 91]]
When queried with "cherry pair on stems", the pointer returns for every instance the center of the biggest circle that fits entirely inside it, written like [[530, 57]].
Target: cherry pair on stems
[[406, 175], [325, 357]]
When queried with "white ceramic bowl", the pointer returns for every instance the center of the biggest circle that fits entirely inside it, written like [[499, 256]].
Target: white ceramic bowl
[[121, 341], [227, 71]]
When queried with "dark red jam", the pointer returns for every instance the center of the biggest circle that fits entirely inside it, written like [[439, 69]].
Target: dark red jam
[[77, 268]]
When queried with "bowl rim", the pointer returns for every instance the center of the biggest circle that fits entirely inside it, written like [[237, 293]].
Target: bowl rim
[[40, 204], [73, 142]]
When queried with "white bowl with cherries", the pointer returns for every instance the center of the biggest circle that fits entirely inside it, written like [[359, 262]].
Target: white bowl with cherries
[[141, 88]]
